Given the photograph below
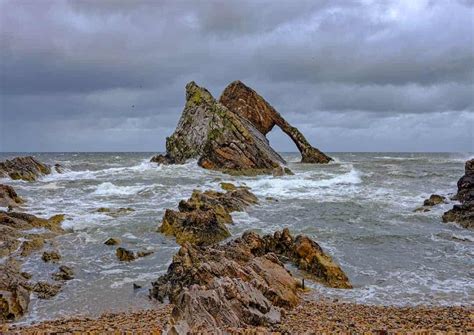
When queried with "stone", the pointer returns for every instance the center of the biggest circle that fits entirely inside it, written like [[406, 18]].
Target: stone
[[51, 256], [218, 138], [64, 273], [45, 290], [434, 200], [24, 168], [245, 102], [35, 243], [144, 253], [112, 241], [463, 214], [8, 197], [125, 255]]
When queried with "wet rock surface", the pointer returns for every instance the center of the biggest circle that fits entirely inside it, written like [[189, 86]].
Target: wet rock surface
[[245, 102], [115, 212], [434, 200], [125, 255], [243, 282], [25, 168], [203, 217], [16, 244], [8, 197], [51, 256], [463, 214], [218, 138], [64, 273]]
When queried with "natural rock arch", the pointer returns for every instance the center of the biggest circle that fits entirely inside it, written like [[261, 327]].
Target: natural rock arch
[[245, 102]]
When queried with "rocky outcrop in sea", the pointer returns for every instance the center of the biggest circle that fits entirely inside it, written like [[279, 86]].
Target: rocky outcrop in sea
[[245, 102], [25, 168], [243, 282], [224, 138], [464, 212]]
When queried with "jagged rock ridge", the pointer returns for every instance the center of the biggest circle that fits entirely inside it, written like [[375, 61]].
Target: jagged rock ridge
[[245, 102]]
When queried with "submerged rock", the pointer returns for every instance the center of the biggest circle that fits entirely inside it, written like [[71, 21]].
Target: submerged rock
[[115, 212], [112, 241], [218, 138], [203, 217], [245, 102], [125, 255], [8, 197], [464, 213], [241, 283], [25, 168]]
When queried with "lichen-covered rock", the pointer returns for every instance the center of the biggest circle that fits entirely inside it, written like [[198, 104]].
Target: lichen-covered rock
[[203, 217], [241, 283], [14, 291], [25, 221], [8, 197], [464, 213], [34, 243], [245, 102], [218, 138], [25, 168]]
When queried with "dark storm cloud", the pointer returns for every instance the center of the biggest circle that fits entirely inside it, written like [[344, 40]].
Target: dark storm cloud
[[110, 75]]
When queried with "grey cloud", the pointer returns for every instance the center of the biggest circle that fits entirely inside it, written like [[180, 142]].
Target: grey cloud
[[112, 73]]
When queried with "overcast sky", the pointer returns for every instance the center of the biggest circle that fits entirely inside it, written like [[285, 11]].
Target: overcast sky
[[352, 75]]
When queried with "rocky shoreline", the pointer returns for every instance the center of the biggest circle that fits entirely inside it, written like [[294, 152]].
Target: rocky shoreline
[[312, 316]]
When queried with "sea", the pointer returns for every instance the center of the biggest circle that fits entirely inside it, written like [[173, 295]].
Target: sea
[[359, 208]]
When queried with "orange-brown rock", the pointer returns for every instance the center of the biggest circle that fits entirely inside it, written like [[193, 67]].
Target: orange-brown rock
[[8, 197], [242, 283], [245, 102], [25, 168]]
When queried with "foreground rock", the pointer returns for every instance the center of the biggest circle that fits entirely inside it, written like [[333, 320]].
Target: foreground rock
[[464, 213], [202, 218], [241, 283], [8, 197], [218, 138], [25, 168], [245, 102], [16, 243]]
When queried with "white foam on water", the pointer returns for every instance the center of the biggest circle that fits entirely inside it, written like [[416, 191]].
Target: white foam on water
[[301, 185], [108, 189]]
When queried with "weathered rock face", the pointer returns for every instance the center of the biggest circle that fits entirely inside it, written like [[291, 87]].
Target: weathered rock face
[[245, 102], [8, 197], [434, 200], [242, 282], [16, 244], [203, 217], [221, 140], [464, 213], [25, 168]]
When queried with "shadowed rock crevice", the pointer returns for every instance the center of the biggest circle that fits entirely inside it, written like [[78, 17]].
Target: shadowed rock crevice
[[245, 102]]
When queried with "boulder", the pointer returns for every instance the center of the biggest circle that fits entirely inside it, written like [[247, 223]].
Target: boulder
[[25, 168], [242, 283], [64, 273], [25, 221], [434, 200], [51, 256], [245, 102], [203, 217], [45, 290], [8, 197], [218, 138], [464, 213], [125, 255]]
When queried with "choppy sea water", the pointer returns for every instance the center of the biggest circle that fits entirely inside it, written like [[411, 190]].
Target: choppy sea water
[[358, 208]]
